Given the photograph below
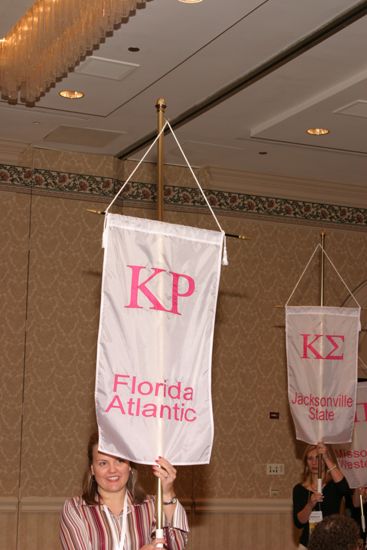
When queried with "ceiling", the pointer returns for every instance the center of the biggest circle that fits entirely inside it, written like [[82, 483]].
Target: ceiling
[[242, 79]]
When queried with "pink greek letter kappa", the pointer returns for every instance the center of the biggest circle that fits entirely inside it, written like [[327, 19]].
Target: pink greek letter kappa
[[137, 285], [308, 346]]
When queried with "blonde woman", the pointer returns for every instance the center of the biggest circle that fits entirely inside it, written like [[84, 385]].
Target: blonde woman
[[309, 505]]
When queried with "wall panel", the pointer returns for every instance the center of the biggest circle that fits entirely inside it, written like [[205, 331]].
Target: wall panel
[[246, 524], [51, 356], [14, 243]]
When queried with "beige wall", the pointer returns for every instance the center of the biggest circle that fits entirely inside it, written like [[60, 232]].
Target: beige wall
[[51, 261]]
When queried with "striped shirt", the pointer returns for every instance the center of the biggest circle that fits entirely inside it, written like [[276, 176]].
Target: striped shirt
[[86, 527]]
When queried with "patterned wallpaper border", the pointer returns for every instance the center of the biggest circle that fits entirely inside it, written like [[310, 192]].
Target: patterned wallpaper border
[[145, 193]]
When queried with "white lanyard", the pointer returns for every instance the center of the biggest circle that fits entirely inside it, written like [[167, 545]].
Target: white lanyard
[[118, 544]]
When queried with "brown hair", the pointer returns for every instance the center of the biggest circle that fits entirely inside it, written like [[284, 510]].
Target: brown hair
[[335, 532], [90, 486]]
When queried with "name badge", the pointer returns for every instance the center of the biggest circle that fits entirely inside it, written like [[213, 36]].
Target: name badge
[[315, 518]]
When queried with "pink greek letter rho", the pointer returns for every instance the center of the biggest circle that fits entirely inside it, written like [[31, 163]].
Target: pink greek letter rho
[[137, 285]]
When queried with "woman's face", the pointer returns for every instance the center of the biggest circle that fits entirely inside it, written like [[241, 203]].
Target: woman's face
[[312, 461], [111, 473]]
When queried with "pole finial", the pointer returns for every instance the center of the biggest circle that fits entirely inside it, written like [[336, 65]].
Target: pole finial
[[161, 104], [161, 107]]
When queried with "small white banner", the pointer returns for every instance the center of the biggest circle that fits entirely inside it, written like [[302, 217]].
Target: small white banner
[[322, 354], [153, 380], [352, 458]]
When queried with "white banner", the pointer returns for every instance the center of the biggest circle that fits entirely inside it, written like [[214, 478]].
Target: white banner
[[352, 458], [322, 352], [153, 381]]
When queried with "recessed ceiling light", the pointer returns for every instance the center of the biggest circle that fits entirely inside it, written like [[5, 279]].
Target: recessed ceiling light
[[134, 49], [318, 131], [190, 1], [71, 94]]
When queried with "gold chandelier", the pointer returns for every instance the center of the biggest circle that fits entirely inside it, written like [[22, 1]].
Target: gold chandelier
[[50, 39]]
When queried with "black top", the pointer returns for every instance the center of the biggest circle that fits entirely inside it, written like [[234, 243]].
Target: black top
[[333, 494]]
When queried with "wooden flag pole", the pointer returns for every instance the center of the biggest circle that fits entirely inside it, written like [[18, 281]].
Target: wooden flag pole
[[322, 268], [322, 235], [161, 107]]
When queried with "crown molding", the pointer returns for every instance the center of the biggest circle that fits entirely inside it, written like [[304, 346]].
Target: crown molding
[[223, 179], [13, 152], [214, 178]]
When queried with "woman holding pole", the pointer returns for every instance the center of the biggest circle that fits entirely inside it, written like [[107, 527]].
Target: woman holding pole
[[310, 504], [114, 513]]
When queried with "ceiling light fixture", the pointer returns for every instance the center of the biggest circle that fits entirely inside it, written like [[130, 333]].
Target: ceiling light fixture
[[50, 39], [71, 94], [190, 1], [318, 131]]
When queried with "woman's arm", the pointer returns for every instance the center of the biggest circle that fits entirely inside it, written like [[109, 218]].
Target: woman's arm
[[176, 525], [73, 531], [331, 465], [167, 474], [304, 514], [303, 505], [176, 539], [176, 532]]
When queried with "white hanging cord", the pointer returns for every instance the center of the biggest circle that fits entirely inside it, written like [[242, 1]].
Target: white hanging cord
[[225, 256], [303, 272], [340, 277], [136, 167], [337, 272], [193, 175]]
